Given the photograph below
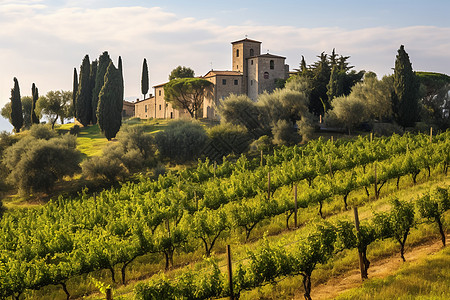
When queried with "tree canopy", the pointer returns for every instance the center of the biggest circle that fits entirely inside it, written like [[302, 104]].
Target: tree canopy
[[144, 78], [188, 93], [16, 107], [405, 99], [54, 105], [181, 72]]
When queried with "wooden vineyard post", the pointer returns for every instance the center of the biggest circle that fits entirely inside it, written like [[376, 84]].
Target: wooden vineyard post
[[431, 135], [295, 207], [371, 137], [215, 167], [329, 163], [332, 140], [376, 181], [108, 294], [268, 186], [230, 272], [261, 158], [361, 263]]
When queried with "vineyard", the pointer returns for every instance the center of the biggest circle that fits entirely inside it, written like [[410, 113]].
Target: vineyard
[[194, 209]]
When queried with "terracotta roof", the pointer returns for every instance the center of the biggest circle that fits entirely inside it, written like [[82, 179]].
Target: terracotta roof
[[162, 84], [268, 55], [246, 40], [222, 73]]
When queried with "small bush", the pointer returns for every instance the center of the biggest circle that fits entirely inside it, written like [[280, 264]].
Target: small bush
[[36, 164], [75, 130], [136, 138], [114, 165], [41, 131], [181, 141], [228, 138], [264, 143], [284, 133]]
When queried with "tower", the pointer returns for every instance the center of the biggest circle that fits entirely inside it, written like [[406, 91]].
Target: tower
[[242, 50]]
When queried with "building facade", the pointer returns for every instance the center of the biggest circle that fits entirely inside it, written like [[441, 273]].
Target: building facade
[[252, 74]]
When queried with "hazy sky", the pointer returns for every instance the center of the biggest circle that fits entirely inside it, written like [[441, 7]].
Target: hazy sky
[[42, 41]]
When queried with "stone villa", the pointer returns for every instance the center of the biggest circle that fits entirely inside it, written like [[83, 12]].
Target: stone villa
[[252, 74]]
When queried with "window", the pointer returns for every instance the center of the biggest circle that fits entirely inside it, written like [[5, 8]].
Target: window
[[251, 82], [236, 82], [251, 62], [272, 64], [145, 108], [266, 75], [160, 92], [224, 81], [237, 52], [252, 52], [160, 107]]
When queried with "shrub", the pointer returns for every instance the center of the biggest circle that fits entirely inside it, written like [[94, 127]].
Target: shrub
[[114, 165], [41, 131], [228, 138], [264, 143], [36, 164], [284, 133], [181, 141], [136, 138], [75, 130]]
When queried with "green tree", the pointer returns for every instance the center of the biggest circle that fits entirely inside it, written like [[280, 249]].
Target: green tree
[[188, 93], [349, 110], [36, 164], [181, 72], [16, 107], [119, 67], [108, 116], [405, 99], [432, 206], [144, 78], [54, 105], [27, 105], [181, 140], [103, 64], [26, 111], [35, 96], [335, 87], [376, 96], [74, 90], [396, 223], [84, 98], [92, 80]]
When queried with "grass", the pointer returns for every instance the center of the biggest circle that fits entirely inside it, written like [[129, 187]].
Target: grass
[[425, 279]]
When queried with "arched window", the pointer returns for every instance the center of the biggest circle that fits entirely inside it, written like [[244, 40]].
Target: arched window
[[266, 75], [237, 52], [252, 52], [272, 64]]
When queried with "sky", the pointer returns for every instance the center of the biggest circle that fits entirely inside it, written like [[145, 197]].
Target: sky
[[42, 41]]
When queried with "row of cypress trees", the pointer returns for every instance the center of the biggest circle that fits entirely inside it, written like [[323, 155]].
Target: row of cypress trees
[[98, 94], [17, 119]]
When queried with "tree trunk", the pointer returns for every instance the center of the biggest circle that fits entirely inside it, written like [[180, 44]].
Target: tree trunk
[[320, 210], [366, 263], [345, 201], [307, 286], [113, 275], [124, 269], [441, 230], [398, 181], [64, 287]]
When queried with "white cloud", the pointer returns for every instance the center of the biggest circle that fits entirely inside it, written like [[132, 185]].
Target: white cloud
[[43, 45]]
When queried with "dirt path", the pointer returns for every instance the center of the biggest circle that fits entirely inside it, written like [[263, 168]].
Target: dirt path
[[378, 269]]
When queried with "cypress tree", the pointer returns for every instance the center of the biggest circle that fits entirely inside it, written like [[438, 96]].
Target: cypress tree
[[103, 63], [16, 107], [92, 78], [119, 67], [335, 85], [83, 100], [405, 98], [109, 118], [35, 96], [74, 91], [144, 79]]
